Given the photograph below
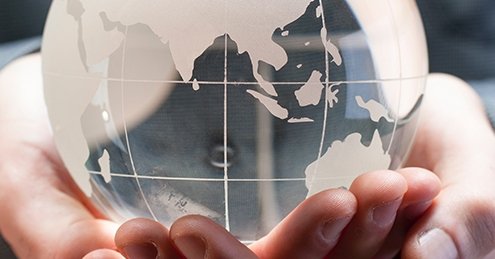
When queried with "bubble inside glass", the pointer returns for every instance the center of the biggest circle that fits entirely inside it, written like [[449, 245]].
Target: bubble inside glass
[[236, 110]]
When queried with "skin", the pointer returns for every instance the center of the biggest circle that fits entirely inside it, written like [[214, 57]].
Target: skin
[[457, 142], [384, 213]]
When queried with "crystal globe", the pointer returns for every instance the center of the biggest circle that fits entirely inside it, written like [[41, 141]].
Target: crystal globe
[[233, 109]]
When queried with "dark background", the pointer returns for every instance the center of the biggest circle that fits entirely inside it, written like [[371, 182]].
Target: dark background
[[460, 33]]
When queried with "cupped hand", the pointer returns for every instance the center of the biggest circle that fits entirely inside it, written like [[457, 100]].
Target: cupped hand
[[43, 214], [368, 220], [46, 216], [456, 141]]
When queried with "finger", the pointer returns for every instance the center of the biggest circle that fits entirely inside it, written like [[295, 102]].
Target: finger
[[199, 237], [460, 224], [423, 187], [104, 254], [312, 229], [144, 238], [379, 195]]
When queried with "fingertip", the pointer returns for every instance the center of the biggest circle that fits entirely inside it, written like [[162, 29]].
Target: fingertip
[[422, 184], [383, 185], [423, 187], [199, 237], [312, 229], [104, 254], [379, 195], [185, 235], [144, 238], [191, 246], [140, 230], [140, 251], [340, 201]]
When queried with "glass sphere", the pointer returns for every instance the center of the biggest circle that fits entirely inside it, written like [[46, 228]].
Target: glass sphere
[[236, 110]]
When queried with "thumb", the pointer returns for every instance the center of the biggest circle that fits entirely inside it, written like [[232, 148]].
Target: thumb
[[459, 225]]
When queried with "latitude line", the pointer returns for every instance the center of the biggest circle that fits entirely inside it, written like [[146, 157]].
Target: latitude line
[[341, 82], [190, 179]]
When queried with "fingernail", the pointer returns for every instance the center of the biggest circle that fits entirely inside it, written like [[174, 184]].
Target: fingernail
[[191, 247], [412, 212], [383, 215], [140, 251], [437, 244], [331, 229]]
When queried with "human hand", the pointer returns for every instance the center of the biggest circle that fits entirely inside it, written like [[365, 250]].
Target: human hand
[[43, 214], [369, 219], [456, 141], [33, 175]]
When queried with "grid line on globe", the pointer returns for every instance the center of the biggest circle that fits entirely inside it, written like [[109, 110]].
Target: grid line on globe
[[126, 132], [235, 110]]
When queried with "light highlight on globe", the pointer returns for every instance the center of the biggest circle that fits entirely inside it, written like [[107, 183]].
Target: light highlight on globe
[[236, 110]]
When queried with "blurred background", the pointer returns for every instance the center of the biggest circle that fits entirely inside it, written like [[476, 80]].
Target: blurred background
[[460, 33]]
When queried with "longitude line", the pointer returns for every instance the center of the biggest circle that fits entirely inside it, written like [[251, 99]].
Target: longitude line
[[125, 127], [225, 157], [327, 84], [400, 81]]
